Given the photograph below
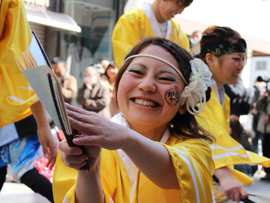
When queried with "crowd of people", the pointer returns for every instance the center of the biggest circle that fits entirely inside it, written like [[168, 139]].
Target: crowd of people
[[156, 124], [96, 92]]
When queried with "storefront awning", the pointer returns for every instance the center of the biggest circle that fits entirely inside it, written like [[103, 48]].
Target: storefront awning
[[52, 19]]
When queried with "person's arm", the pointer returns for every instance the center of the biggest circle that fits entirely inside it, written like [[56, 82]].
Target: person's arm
[[152, 159], [232, 188], [88, 183], [44, 133], [98, 104], [89, 187], [160, 163], [105, 134]]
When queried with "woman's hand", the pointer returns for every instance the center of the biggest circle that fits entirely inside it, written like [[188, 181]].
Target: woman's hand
[[73, 156], [232, 188], [96, 130], [48, 144]]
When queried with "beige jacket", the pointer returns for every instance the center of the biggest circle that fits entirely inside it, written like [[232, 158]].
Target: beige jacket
[[69, 87]]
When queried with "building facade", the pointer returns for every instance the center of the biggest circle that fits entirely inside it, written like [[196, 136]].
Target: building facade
[[77, 31]]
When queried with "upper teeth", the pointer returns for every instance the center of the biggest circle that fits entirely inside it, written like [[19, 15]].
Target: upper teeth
[[145, 102]]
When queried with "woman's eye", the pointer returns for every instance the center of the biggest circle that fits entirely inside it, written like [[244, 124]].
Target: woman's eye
[[236, 59], [168, 79], [134, 71]]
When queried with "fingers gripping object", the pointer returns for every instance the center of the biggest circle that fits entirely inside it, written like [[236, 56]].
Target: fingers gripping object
[[70, 143]]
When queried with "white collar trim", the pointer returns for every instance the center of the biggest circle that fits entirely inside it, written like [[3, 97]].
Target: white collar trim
[[146, 7]]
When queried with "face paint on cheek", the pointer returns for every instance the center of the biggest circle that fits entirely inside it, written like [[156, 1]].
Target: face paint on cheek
[[172, 96]]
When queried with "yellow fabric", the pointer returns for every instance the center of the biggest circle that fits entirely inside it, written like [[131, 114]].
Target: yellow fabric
[[193, 165], [15, 38], [226, 151], [133, 27]]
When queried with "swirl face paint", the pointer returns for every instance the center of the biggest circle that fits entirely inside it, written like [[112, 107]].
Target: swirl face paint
[[172, 96]]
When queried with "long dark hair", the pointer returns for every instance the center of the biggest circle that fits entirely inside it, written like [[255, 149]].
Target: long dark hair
[[182, 126]]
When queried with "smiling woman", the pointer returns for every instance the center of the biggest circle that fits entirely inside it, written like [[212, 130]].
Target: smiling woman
[[224, 51], [148, 152]]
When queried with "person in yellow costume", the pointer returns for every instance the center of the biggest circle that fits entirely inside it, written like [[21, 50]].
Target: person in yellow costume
[[150, 20], [153, 151], [17, 98], [224, 51]]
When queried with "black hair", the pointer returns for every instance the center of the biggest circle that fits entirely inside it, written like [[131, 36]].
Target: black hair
[[58, 60], [221, 40], [186, 2]]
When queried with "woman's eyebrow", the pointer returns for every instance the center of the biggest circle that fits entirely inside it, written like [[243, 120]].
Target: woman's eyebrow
[[167, 71], [139, 64], [241, 55]]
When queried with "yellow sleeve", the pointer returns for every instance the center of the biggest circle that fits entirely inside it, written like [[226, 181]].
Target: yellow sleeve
[[194, 168], [226, 151], [64, 180], [114, 179], [16, 95], [179, 36], [126, 34]]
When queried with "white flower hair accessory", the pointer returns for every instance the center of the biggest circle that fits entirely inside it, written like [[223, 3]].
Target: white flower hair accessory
[[194, 92]]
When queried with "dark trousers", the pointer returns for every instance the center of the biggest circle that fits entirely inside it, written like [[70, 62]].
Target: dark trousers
[[266, 149], [37, 182], [255, 141], [3, 173]]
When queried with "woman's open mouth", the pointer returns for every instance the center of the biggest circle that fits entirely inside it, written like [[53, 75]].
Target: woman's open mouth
[[147, 103]]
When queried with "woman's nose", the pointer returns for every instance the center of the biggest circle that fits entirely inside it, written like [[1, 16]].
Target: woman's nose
[[147, 85], [242, 64]]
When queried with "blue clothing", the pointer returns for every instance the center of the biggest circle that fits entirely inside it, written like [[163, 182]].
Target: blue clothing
[[20, 154]]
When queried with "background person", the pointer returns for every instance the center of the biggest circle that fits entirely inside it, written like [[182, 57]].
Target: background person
[[259, 89], [19, 103], [68, 82], [93, 95], [21, 154], [224, 51], [263, 106], [194, 42], [151, 20], [108, 78]]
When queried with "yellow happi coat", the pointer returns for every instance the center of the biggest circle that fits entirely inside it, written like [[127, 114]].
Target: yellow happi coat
[[193, 164], [134, 26], [226, 151], [16, 94]]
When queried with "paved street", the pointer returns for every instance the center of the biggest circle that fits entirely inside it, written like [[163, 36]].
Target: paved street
[[15, 192]]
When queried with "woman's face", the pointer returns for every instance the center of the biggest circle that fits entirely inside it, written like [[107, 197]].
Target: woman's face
[[112, 72], [149, 90], [170, 8], [228, 67]]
